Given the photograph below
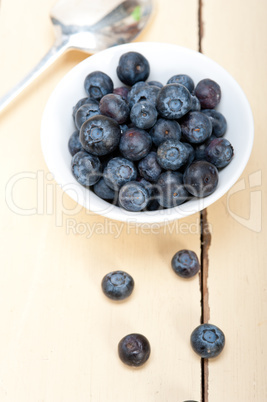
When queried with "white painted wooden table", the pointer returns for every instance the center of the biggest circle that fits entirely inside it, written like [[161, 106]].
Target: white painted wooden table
[[59, 334]]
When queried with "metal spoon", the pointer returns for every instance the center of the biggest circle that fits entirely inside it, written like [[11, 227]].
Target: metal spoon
[[82, 25]]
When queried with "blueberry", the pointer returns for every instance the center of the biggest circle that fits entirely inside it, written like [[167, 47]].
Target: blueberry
[[74, 143], [149, 167], [170, 189], [143, 93], [135, 144], [100, 135], [118, 172], [144, 115], [98, 84], [196, 106], [172, 154], [173, 101], [218, 121], [79, 104], [185, 263], [86, 168], [103, 191], [196, 127], [183, 79], [200, 152], [134, 350], [133, 67], [147, 185], [153, 205], [201, 178], [133, 196], [122, 91], [114, 106], [200, 149], [124, 127], [85, 112], [155, 83], [219, 152], [135, 88], [209, 93], [165, 130], [191, 156], [117, 285], [207, 340]]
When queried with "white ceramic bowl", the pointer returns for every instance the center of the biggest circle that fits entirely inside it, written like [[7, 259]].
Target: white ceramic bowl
[[165, 60]]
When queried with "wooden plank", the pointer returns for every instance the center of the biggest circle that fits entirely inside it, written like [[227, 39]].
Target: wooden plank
[[236, 38], [59, 333]]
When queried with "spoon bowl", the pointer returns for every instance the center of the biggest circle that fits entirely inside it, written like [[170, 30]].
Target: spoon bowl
[[90, 26]]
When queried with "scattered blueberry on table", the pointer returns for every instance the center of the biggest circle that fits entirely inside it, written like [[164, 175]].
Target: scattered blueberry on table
[[185, 263], [117, 285], [134, 350], [167, 135], [207, 340]]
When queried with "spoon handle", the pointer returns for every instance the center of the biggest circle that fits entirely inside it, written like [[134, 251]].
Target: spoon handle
[[55, 51]]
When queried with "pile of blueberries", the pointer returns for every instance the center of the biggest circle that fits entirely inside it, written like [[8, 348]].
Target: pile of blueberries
[[207, 340], [145, 145]]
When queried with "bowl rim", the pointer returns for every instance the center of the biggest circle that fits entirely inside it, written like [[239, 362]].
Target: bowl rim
[[147, 217]]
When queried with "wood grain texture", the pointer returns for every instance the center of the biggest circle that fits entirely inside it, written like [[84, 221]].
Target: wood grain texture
[[59, 334], [235, 37]]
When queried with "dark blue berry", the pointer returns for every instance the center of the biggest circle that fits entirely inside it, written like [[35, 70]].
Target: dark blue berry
[[155, 83], [143, 93], [219, 152], [208, 93], [122, 91], [135, 144], [100, 135], [133, 196], [144, 115], [74, 143], [218, 121], [201, 178], [86, 168], [173, 101], [103, 191], [170, 189], [114, 106], [147, 185], [185, 263], [85, 112], [149, 167], [191, 156], [117, 285], [196, 127], [153, 205], [172, 154], [124, 127], [165, 130], [118, 172], [207, 340], [196, 106], [133, 67], [134, 350], [98, 84], [79, 104], [183, 79], [200, 153]]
